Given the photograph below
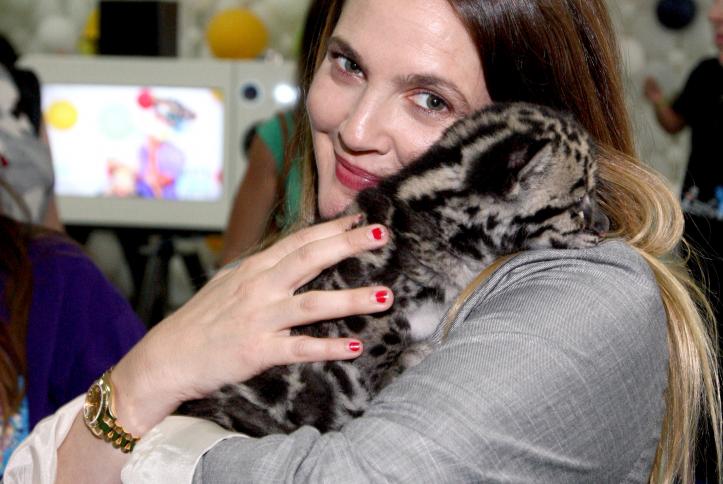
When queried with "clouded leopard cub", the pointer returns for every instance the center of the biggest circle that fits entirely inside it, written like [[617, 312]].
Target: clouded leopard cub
[[511, 177]]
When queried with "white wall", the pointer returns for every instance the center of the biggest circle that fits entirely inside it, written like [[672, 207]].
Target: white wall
[[648, 48]]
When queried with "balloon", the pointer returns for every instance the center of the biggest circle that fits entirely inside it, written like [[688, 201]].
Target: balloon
[[676, 14], [91, 30], [191, 41], [88, 43], [236, 33], [45, 8], [62, 115], [677, 58], [284, 20], [145, 99], [57, 34], [79, 11], [633, 55]]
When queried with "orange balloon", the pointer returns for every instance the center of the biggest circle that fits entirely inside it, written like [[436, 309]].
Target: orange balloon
[[236, 33]]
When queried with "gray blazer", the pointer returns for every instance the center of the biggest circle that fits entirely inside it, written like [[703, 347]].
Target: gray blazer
[[554, 371]]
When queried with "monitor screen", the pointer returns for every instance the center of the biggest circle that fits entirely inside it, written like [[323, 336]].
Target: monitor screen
[[154, 142]]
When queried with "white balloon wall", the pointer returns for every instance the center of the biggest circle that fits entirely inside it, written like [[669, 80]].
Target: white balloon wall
[[647, 48], [55, 26]]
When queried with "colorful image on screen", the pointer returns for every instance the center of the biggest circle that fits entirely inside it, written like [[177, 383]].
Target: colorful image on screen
[[134, 141]]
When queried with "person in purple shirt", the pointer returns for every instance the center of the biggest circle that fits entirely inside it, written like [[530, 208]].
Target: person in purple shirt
[[62, 324]]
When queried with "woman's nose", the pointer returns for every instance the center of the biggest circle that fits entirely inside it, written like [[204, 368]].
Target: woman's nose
[[364, 128]]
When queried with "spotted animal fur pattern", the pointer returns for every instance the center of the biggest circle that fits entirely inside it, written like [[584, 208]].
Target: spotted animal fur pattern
[[509, 178]]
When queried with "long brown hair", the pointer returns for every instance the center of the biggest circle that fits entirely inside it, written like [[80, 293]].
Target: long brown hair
[[17, 286], [563, 54], [280, 216]]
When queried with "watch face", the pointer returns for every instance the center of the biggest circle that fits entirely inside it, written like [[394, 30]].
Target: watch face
[[93, 404]]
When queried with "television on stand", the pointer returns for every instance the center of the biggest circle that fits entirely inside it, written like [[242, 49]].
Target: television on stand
[[153, 142], [152, 149]]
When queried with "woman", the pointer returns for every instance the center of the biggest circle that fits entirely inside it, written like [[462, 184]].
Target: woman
[[556, 368], [24, 151], [699, 105], [61, 325], [271, 175]]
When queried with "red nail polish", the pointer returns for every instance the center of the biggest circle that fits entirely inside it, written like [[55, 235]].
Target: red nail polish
[[355, 346], [4, 161], [377, 233], [381, 296]]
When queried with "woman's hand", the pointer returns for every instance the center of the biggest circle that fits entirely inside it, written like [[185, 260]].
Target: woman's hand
[[652, 90], [669, 119], [239, 324]]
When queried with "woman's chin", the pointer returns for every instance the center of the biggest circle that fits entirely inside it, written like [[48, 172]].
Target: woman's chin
[[333, 206]]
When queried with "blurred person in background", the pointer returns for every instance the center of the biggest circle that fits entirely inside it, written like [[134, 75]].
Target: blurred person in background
[[24, 151], [61, 323], [269, 194], [700, 107]]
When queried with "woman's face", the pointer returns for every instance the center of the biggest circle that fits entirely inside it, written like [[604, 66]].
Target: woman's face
[[396, 74], [715, 15]]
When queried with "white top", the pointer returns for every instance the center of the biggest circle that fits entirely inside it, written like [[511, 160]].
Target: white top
[[168, 453]]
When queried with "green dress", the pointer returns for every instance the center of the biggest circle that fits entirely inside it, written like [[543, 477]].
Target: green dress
[[272, 134]]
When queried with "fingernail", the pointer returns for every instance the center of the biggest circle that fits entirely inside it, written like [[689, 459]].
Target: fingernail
[[381, 296], [355, 346], [377, 233]]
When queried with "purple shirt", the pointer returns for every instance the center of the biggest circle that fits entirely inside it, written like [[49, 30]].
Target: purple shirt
[[79, 326]]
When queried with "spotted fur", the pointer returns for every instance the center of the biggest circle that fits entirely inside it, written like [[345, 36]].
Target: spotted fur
[[509, 178]]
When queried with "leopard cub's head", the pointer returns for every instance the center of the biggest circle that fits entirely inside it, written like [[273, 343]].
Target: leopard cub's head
[[537, 175], [511, 177]]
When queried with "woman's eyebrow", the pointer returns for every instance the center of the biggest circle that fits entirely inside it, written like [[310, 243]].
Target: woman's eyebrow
[[431, 81], [345, 49]]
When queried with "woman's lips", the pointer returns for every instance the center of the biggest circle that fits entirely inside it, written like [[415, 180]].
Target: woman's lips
[[352, 177]]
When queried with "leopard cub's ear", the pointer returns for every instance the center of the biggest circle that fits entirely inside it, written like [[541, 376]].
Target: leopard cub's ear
[[524, 152], [496, 169]]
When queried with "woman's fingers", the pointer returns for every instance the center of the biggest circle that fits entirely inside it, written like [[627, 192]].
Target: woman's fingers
[[301, 349], [305, 263], [269, 257], [314, 306]]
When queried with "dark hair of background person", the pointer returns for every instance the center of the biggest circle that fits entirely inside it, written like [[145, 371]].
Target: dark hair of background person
[[564, 54], [26, 82]]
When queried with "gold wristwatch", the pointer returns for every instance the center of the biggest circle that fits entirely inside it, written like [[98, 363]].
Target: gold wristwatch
[[99, 417]]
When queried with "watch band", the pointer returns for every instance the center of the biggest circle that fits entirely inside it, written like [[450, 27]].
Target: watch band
[[105, 425]]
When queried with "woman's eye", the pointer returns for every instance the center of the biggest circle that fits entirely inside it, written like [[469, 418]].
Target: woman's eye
[[430, 102], [346, 64]]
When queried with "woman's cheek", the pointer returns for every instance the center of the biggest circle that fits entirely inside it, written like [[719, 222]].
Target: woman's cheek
[[326, 103], [313, 105]]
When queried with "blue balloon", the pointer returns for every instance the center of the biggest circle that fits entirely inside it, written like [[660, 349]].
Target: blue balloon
[[676, 14]]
